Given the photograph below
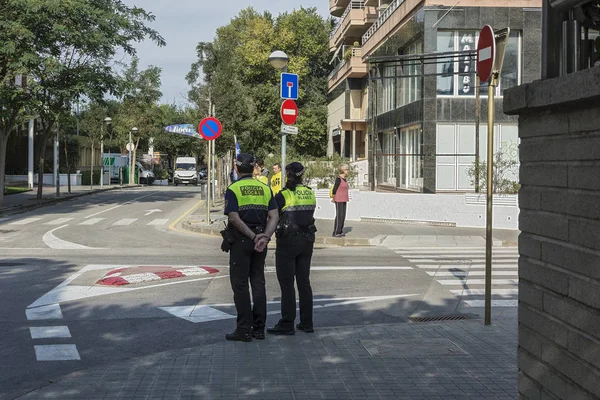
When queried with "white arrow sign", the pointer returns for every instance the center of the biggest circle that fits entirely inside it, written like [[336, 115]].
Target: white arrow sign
[[152, 211]]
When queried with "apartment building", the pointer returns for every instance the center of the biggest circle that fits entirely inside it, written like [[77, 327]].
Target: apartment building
[[402, 92]]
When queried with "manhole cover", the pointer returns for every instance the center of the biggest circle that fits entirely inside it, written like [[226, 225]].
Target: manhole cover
[[399, 348], [455, 317]]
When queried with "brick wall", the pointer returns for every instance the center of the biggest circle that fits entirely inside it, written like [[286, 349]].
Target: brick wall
[[559, 267]]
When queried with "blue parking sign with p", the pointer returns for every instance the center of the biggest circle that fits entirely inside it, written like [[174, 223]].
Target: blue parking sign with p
[[289, 86]]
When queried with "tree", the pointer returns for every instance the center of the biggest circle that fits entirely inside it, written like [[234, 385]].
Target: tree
[[238, 79], [140, 92], [65, 48], [502, 166]]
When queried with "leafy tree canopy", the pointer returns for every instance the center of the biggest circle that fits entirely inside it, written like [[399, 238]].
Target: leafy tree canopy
[[245, 88]]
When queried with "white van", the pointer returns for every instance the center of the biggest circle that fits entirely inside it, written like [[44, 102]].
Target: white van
[[185, 171]]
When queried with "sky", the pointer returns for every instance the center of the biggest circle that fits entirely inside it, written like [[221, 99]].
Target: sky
[[184, 23]]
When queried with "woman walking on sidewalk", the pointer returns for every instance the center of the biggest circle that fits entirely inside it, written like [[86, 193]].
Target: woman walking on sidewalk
[[340, 198]]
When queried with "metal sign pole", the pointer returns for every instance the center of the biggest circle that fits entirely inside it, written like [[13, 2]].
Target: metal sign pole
[[208, 181], [501, 38], [490, 187], [283, 138]]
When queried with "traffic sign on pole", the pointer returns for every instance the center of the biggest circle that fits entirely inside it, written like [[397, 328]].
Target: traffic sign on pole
[[289, 86], [288, 129], [486, 53], [210, 128], [289, 112]]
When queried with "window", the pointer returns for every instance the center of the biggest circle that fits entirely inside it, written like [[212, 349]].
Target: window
[[457, 75], [409, 84]]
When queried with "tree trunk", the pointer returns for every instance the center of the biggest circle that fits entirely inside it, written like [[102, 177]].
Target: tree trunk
[[68, 167], [43, 138], [3, 144], [133, 155]]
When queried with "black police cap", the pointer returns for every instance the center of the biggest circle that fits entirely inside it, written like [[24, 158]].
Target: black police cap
[[245, 160], [295, 168]]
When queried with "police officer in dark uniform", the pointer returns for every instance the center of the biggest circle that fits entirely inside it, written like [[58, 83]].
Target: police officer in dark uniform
[[295, 242], [253, 215]]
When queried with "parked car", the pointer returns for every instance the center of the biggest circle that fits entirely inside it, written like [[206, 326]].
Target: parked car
[[145, 176], [202, 174]]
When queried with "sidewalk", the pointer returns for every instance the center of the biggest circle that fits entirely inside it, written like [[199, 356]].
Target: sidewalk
[[28, 200], [427, 361], [363, 233]]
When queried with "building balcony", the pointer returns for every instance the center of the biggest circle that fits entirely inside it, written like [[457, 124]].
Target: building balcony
[[390, 18], [337, 7], [351, 67], [355, 20]]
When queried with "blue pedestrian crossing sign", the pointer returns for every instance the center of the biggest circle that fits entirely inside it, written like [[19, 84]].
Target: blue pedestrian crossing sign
[[289, 86]]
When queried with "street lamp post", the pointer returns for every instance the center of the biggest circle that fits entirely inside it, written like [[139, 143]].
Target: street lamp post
[[133, 130], [107, 121], [279, 60]]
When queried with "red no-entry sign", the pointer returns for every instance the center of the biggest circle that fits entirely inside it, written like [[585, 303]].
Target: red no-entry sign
[[486, 53], [289, 112]]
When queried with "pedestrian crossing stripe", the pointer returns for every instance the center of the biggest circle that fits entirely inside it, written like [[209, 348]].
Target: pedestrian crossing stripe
[[91, 221], [450, 282], [495, 303], [448, 267], [158, 222], [481, 292], [25, 221], [125, 221], [59, 221], [472, 273]]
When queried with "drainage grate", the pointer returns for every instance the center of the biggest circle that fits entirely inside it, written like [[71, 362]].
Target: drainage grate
[[455, 317]]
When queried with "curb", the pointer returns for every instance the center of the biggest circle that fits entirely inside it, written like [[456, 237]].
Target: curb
[[23, 208], [214, 230]]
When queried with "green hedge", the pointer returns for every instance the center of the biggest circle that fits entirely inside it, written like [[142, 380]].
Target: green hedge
[[85, 177]]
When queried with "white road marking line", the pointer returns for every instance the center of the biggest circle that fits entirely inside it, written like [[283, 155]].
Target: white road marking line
[[158, 222], [463, 282], [119, 205], [481, 292], [25, 221], [357, 268], [59, 221], [125, 221], [205, 313], [473, 273], [495, 303], [457, 256], [92, 221], [55, 243], [451, 249], [467, 266], [51, 311], [465, 260], [47, 332], [455, 252], [56, 352]]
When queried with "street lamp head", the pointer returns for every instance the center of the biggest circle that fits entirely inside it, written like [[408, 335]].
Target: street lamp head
[[108, 120], [278, 59], [134, 130]]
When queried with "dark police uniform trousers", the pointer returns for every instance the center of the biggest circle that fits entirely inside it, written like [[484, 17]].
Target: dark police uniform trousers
[[244, 264], [293, 257], [252, 200], [295, 243]]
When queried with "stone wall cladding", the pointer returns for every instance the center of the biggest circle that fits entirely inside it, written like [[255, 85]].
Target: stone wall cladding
[[559, 268]]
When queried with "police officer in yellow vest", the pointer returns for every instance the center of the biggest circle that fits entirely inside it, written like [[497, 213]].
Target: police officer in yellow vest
[[276, 179], [295, 241], [253, 215]]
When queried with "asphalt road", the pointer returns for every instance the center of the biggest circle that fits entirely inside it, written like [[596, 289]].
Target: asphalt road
[[51, 260]]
